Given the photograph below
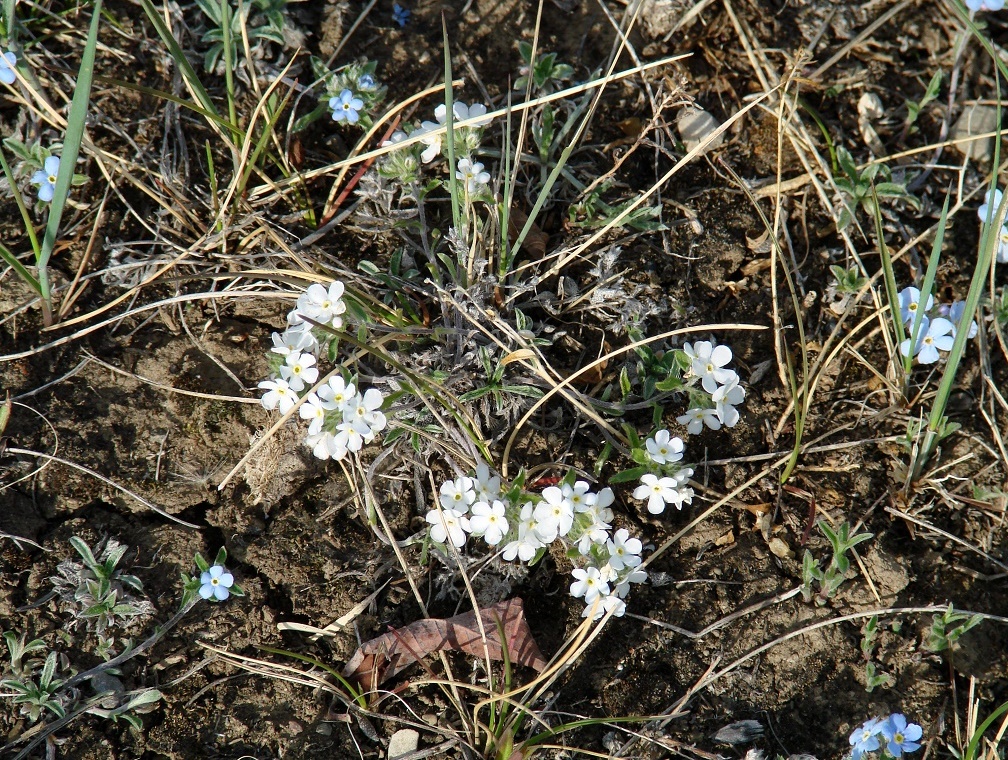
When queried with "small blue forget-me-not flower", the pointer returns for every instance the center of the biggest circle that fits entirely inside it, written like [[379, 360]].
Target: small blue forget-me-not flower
[[901, 736], [346, 107], [865, 738], [45, 178], [401, 15], [366, 83], [7, 63], [216, 583]]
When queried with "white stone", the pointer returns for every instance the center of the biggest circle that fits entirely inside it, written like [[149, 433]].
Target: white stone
[[695, 125], [402, 743]]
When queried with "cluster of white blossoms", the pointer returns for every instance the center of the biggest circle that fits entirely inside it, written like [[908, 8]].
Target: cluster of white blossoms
[[341, 418], [521, 525], [666, 482], [471, 173], [709, 364]]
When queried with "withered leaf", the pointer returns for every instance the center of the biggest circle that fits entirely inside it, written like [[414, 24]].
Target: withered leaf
[[534, 244], [383, 657]]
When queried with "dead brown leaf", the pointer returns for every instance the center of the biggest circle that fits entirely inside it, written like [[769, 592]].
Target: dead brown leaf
[[383, 657], [534, 244]]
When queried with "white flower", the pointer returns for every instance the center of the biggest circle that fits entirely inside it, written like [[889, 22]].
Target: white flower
[[658, 492], [338, 393], [955, 317], [462, 112], [588, 584], [294, 341], [279, 395], [323, 445], [322, 305], [985, 5], [595, 534], [606, 603], [634, 576], [348, 437], [458, 494], [314, 409], [989, 206], [472, 175], [601, 502], [299, 369], [527, 543], [934, 335], [726, 398], [697, 417], [487, 488], [488, 520], [663, 449], [709, 362], [363, 412], [623, 550], [448, 524], [216, 582], [1002, 251], [554, 515], [578, 495], [909, 299]]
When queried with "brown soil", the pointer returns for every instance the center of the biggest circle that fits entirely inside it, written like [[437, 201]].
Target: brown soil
[[303, 553]]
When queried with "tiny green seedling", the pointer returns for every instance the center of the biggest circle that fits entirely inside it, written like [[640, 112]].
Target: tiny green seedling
[[546, 73], [830, 579], [873, 678], [856, 186], [98, 593], [940, 637]]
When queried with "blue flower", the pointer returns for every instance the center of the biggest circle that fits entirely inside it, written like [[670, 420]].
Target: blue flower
[[215, 583], [401, 15], [866, 738], [45, 178], [901, 736], [7, 62], [346, 107], [366, 83]]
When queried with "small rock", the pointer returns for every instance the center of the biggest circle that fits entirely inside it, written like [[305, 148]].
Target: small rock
[[739, 732], [780, 548], [976, 119], [402, 743], [695, 125]]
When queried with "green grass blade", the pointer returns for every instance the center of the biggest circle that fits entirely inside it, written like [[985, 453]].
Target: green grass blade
[[971, 749], [68, 159], [25, 216], [178, 56], [19, 268], [450, 130], [989, 244], [926, 287], [892, 295], [210, 116]]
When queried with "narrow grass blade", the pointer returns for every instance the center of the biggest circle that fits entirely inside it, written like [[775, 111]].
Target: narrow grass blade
[[178, 55], [19, 268], [926, 287], [25, 216], [68, 159], [450, 129]]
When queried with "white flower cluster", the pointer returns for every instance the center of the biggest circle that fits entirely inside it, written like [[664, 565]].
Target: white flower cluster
[[709, 363], [523, 524], [938, 326], [466, 139], [666, 484], [340, 418]]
